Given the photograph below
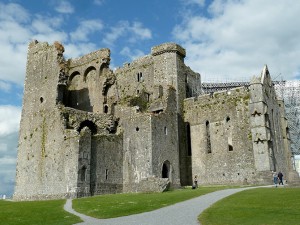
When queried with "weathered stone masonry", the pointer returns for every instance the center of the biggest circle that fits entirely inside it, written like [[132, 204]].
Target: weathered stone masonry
[[87, 130]]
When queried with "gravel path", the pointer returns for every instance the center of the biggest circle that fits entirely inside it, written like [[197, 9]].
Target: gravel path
[[178, 214]]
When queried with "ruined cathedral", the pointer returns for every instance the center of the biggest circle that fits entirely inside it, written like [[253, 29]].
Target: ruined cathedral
[[147, 126]]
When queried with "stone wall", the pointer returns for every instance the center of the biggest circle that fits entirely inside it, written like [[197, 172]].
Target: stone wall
[[221, 147], [44, 159], [107, 164]]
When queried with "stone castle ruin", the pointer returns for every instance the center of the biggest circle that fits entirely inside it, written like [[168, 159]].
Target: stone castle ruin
[[147, 126]]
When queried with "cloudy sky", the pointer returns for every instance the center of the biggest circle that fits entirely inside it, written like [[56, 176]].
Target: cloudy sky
[[225, 40]]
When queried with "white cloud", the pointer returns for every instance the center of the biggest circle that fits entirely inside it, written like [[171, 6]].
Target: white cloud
[[9, 119], [139, 32], [85, 28], [131, 54], [192, 2], [76, 50], [241, 36], [13, 12], [115, 33], [133, 33], [98, 2], [17, 29], [3, 147], [64, 7], [8, 155], [8, 161], [5, 86]]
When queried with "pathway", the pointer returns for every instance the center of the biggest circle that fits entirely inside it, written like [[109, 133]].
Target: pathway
[[180, 213]]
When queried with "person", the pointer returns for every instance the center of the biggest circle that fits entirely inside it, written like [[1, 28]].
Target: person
[[196, 181], [280, 177], [275, 178]]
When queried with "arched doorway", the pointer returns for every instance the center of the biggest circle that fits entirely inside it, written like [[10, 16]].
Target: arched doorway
[[166, 170]]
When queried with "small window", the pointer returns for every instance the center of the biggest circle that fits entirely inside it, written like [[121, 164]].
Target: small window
[[105, 109], [189, 143], [230, 148], [166, 130], [106, 174], [208, 142], [227, 119], [41, 99], [137, 128], [140, 77]]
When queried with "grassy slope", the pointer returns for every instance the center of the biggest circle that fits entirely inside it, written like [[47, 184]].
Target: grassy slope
[[262, 206], [36, 213], [109, 206]]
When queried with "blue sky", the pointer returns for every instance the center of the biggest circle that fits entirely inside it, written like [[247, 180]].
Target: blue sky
[[224, 39]]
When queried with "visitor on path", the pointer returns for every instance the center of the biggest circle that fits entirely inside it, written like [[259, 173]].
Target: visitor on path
[[280, 177], [196, 181], [275, 178]]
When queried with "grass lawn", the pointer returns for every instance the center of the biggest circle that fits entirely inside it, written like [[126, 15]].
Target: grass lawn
[[109, 206], [36, 213], [261, 206]]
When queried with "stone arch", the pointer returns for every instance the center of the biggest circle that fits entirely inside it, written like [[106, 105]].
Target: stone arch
[[86, 72], [75, 73], [87, 123], [166, 169]]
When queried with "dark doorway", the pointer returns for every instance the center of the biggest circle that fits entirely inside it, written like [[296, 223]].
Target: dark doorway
[[166, 169]]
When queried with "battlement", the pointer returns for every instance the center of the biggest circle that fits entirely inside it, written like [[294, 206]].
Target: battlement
[[168, 47], [218, 96], [100, 55]]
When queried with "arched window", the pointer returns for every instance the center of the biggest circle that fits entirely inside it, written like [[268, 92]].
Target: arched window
[[105, 109], [88, 124], [227, 119], [75, 73], [87, 71]]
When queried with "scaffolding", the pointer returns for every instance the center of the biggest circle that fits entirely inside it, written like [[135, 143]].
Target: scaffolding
[[289, 91]]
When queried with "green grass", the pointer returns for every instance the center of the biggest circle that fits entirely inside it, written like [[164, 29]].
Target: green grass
[[110, 206], [36, 213], [261, 206]]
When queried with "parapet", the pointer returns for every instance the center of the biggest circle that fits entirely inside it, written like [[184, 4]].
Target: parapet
[[168, 47], [101, 55]]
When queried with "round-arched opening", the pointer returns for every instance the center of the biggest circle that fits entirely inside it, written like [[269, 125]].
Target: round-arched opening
[[87, 71], [75, 73], [88, 124], [166, 170], [105, 110]]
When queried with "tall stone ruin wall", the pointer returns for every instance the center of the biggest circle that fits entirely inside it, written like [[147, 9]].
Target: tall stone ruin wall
[[220, 137]]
